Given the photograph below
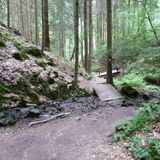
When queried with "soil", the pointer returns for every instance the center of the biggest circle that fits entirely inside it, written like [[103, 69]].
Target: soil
[[84, 136]]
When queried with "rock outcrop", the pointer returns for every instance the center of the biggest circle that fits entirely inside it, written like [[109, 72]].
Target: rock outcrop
[[26, 76]]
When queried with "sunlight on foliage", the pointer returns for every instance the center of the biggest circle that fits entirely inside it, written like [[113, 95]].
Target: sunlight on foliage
[[134, 80]]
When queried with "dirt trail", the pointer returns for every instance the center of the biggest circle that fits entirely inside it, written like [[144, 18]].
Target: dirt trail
[[72, 138]]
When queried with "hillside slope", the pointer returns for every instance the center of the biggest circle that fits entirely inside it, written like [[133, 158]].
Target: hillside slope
[[26, 76]]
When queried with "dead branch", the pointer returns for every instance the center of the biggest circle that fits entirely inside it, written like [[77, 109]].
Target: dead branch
[[49, 119]]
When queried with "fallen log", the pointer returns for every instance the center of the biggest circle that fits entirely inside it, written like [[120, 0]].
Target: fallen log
[[49, 119]]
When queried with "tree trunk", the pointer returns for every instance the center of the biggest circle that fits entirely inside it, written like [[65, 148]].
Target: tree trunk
[[109, 42], [76, 40], [90, 38], [36, 23], [8, 13], [22, 17], [82, 43], [85, 36], [46, 25], [43, 40]]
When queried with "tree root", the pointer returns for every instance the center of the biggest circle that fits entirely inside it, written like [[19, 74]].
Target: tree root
[[50, 118]]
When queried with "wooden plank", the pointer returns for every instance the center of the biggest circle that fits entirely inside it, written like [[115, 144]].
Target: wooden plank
[[106, 92], [114, 73]]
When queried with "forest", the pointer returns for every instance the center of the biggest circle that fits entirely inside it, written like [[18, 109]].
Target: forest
[[79, 80]]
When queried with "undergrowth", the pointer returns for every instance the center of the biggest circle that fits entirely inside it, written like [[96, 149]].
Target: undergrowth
[[137, 129], [134, 80], [145, 147]]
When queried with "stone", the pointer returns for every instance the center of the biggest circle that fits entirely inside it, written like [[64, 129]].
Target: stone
[[24, 111], [3, 122], [94, 106], [2, 114], [78, 118], [145, 97], [129, 91], [34, 113]]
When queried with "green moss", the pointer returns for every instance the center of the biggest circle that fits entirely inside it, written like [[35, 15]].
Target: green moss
[[23, 88], [2, 40], [2, 100], [42, 64], [50, 63], [3, 90], [36, 80], [18, 45], [46, 91], [62, 91], [20, 56], [34, 51], [33, 97], [2, 43]]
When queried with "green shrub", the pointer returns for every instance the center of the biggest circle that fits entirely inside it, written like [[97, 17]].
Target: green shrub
[[134, 80], [148, 113], [145, 147]]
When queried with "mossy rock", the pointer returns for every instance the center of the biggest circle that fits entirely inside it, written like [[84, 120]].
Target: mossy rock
[[2, 43], [34, 51], [19, 56], [24, 89], [2, 40], [3, 88], [2, 101], [46, 91], [18, 45], [42, 64], [51, 63], [63, 89]]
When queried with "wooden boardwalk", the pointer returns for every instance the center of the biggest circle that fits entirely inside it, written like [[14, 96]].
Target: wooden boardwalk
[[105, 92]]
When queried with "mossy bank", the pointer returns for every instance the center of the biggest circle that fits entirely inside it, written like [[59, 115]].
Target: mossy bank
[[27, 76]]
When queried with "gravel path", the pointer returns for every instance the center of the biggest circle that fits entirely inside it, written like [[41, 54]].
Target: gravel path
[[73, 138]]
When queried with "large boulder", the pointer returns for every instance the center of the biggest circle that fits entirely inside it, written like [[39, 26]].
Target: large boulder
[[129, 91]]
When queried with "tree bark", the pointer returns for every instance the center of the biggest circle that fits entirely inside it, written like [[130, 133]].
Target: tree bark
[[8, 13], [85, 36], [76, 40], [36, 23], [42, 9], [82, 43], [46, 25], [109, 42], [90, 38]]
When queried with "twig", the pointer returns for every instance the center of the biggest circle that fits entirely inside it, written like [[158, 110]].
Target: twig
[[49, 119]]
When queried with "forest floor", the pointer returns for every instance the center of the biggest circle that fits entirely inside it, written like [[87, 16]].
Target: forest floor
[[78, 137]]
